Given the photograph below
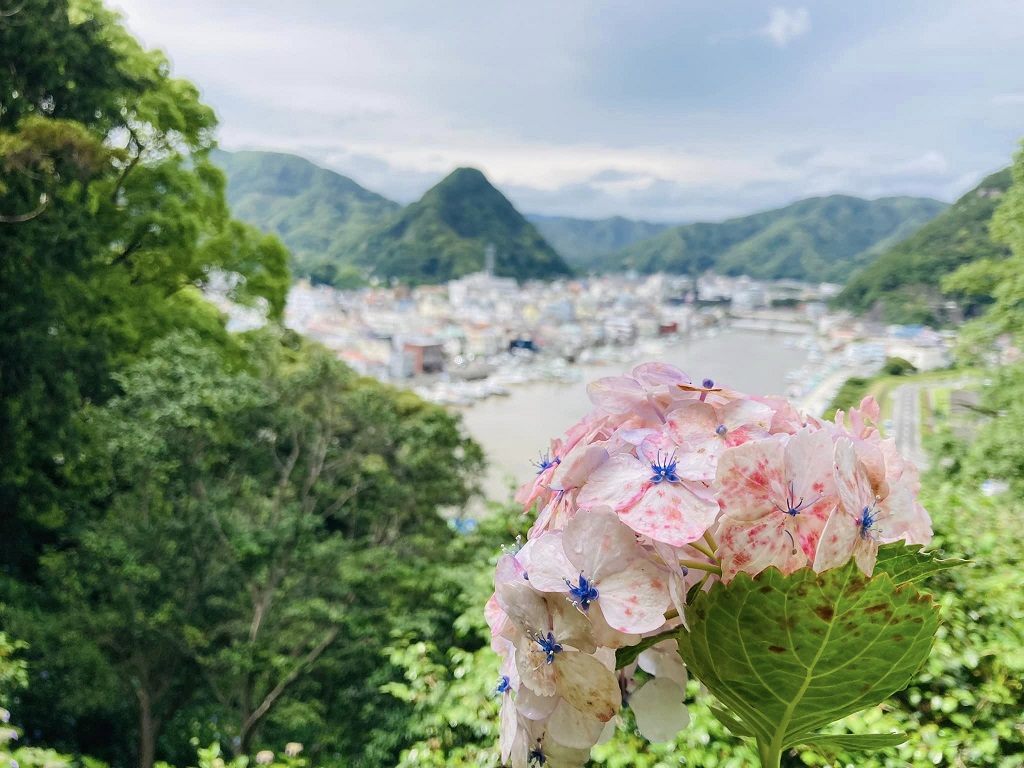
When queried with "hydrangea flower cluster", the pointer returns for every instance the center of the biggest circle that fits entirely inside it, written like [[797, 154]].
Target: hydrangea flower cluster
[[667, 485]]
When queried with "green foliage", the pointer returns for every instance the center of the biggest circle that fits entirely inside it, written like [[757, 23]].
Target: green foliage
[[807, 650], [13, 669], [897, 366], [579, 241], [1000, 281], [444, 236], [824, 238], [903, 283], [849, 395], [110, 217], [319, 214]]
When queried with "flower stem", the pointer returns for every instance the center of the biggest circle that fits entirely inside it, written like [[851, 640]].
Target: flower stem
[[711, 541], [770, 757], [703, 549], [699, 565]]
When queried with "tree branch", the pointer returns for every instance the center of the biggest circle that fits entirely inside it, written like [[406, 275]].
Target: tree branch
[[271, 698]]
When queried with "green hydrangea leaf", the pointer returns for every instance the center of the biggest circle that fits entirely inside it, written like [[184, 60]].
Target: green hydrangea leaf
[[906, 563], [787, 655], [854, 741], [630, 653], [731, 722]]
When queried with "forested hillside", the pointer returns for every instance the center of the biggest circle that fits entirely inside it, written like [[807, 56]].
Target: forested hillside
[[903, 284], [579, 241], [445, 235], [818, 239], [317, 213]]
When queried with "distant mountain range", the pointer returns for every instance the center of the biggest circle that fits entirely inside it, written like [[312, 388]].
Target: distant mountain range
[[581, 240], [818, 239], [341, 233], [902, 283]]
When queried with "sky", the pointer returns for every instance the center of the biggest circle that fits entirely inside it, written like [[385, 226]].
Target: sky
[[664, 111]]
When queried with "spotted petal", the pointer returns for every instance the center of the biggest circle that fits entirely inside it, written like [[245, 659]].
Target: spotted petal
[[588, 685], [753, 545], [751, 478], [617, 483], [634, 600], [599, 545], [673, 513]]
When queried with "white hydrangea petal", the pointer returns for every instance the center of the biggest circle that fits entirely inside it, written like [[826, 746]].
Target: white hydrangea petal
[[663, 660], [588, 685], [572, 728], [533, 706], [660, 710]]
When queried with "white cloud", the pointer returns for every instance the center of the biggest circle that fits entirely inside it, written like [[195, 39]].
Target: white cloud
[[786, 25]]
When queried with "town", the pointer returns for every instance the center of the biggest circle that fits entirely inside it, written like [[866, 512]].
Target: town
[[476, 336]]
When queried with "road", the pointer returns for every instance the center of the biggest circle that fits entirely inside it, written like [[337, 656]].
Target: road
[[906, 424]]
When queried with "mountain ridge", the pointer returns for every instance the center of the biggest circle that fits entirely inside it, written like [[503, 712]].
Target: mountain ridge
[[817, 239], [902, 284]]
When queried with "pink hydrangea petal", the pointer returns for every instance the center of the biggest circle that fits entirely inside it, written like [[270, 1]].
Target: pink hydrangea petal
[[575, 468], [605, 636], [810, 464], [673, 513], [652, 375], [599, 545], [587, 684], [616, 394], [617, 483], [746, 413], [570, 626], [750, 477], [634, 599], [837, 542], [866, 554], [852, 483], [693, 423], [508, 726], [753, 545], [548, 567]]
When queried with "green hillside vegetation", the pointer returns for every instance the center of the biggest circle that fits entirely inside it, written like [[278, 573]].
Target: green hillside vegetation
[[903, 283], [818, 239], [444, 235], [316, 212], [580, 240]]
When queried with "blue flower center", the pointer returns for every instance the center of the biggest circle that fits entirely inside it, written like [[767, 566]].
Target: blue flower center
[[583, 593], [868, 517], [708, 383], [664, 468], [721, 429], [536, 757], [549, 646], [794, 506], [545, 462], [504, 685]]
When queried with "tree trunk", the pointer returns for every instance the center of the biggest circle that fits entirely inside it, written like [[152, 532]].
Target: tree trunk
[[147, 730]]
